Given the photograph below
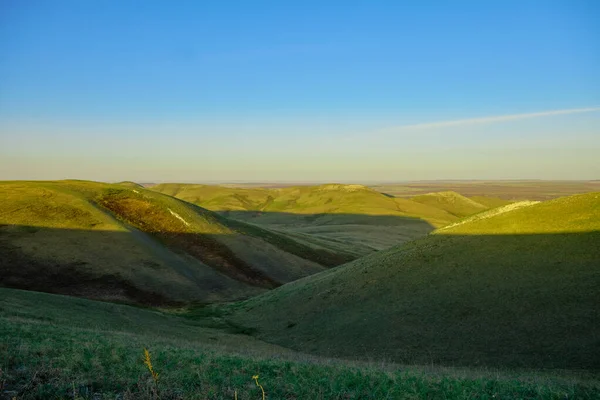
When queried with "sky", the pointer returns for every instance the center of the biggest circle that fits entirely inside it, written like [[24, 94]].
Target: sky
[[299, 91]]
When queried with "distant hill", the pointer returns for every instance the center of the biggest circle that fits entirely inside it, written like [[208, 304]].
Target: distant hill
[[517, 287], [512, 190], [354, 218], [322, 199], [451, 202], [126, 243], [130, 184], [490, 201]]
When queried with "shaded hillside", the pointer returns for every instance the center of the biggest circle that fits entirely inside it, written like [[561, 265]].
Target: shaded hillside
[[130, 244], [354, 234], [353, 218], [519, 288], [61, 347]]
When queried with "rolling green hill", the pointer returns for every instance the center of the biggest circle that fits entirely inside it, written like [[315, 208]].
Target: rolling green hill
[[130, 184], [314, 200], [519, 288], [490, 201], [452, 202], [216, 198], [130, 244], [350, 218]]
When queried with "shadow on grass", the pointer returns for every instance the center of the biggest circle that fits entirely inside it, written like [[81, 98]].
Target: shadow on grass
[[527, 300], [285, 218], [516, 300], [130, 265]]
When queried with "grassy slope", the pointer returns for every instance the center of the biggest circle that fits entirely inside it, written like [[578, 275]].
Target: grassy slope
[[216, 198], [323, 199], [55, 238], [55, 347], [111, 242], [490, 201], [237, 252], [452, 202], [578, 213], [519, 288], [131, 184], [350, 218]]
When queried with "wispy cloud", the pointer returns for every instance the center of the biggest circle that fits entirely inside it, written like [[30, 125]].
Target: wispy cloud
[[492, 119]]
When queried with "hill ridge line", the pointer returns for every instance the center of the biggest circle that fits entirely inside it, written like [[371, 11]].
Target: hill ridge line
[[489, 213]]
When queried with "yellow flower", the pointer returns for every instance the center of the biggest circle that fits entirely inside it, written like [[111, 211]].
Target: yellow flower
[[255, 377], [148, 362]]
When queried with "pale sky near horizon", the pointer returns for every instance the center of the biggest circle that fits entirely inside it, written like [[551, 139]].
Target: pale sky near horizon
[[299, 91]]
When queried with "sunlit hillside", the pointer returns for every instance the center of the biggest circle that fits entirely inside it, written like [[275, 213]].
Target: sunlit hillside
[[316, 200], [452, 202], [352, 218]]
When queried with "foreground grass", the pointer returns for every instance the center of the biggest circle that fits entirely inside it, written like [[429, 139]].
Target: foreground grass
[[55, 347]]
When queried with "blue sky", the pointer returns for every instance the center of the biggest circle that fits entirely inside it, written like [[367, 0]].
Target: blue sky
[[299, 91]]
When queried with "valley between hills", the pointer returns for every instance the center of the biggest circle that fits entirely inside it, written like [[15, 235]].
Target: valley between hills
[[324, 291]]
